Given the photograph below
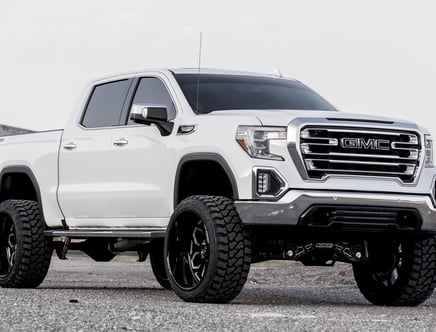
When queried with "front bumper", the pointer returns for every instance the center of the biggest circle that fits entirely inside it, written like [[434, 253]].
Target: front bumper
[[289, 209]]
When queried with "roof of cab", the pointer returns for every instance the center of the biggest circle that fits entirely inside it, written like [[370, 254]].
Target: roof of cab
[[182, 71], [218, 72]]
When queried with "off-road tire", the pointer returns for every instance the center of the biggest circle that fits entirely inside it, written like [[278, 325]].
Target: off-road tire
[[32, 249], [226, 255], [157, 262], [413, 282]]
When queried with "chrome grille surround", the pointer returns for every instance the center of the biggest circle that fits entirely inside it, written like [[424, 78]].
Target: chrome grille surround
[[327, 150]]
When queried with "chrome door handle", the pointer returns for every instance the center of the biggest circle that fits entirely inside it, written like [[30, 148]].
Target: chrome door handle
[[121, 142], [70, 146]]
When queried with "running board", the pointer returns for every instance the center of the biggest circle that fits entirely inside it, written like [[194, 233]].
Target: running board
[[83, 234]]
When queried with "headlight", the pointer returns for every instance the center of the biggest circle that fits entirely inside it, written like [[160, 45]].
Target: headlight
[[428, 160], [256, 140]]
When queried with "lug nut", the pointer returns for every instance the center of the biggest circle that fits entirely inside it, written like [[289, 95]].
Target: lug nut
[[290, 253], [358, 255]]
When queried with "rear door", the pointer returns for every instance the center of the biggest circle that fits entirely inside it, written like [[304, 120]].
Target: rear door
[[84, 159]]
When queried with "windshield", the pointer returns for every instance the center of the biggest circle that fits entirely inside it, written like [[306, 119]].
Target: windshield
[[240, 92]]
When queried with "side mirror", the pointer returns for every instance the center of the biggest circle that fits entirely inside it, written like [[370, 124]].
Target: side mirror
[[152, 114]]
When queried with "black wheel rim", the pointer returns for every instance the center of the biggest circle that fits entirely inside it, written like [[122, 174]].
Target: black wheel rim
[[388, 269], [188, 251], [8, 244]]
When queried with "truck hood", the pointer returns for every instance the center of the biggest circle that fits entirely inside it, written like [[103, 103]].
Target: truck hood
[[284, 117]]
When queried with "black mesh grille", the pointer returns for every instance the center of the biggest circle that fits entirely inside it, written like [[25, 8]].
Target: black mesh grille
[[362, 217]]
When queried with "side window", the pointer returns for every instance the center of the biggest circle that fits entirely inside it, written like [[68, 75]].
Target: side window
[[152, 91], [106, 103]]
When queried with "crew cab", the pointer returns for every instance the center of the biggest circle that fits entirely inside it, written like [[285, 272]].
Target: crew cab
[[210, 171]]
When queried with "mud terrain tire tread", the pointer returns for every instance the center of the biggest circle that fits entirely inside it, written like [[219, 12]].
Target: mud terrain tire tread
[[34, 250], [229, 263], [415, 284]]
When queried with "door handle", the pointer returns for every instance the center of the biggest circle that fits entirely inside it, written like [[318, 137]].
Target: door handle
[[70, 146], [121, 142]]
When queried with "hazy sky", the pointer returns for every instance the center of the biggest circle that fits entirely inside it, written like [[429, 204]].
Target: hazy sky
[[372, 56]]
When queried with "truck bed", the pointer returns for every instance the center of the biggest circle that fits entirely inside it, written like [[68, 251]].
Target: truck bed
[[36, 154]]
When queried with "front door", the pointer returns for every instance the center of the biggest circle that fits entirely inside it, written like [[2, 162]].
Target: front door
[[142, 163]]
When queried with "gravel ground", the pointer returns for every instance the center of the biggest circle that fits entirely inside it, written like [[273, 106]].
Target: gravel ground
[[81, 295]]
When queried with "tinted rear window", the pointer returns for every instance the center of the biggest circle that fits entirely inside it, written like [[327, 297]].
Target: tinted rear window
[[106, 103], [239, 92]]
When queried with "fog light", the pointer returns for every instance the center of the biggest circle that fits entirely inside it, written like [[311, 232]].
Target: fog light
[[268, 183], [263, 182]]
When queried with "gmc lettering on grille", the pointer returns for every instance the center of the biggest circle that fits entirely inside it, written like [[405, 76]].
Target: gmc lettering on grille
[[367, 144]]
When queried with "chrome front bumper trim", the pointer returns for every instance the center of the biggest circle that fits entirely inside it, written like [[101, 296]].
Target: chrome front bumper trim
[[290, 207]]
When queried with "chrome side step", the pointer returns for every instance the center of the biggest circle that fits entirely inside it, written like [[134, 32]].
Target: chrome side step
[[127, 234]]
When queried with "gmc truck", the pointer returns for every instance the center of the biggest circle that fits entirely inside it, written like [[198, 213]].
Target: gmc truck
[[207, 172]]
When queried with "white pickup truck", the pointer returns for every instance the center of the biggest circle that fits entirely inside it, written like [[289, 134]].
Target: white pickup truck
[[209, 172]]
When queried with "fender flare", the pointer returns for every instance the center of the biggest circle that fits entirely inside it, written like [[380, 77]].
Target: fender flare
[[27, 171], [205, 156]]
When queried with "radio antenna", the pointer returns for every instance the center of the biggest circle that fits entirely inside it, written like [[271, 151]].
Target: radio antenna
[[198, 73]]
